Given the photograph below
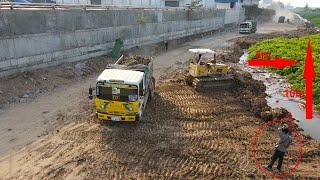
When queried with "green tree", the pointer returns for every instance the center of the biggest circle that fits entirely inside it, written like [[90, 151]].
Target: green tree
[[195, 4]]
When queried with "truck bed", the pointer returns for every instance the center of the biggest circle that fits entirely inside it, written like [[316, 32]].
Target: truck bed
[[133, 60], [137, 63]]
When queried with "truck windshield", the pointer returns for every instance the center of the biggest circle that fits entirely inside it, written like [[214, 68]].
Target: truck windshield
[[117, 92], [245, 25]]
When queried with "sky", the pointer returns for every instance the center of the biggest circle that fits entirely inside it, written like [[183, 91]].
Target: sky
[[302, 3]]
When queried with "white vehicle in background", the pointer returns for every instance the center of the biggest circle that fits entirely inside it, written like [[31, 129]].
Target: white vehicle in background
[[248, 27]]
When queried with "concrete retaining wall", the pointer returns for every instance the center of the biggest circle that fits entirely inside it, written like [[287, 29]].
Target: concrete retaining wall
[[39, 38], [135, 3]]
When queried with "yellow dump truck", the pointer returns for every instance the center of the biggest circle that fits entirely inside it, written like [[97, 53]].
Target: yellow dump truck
[[123, 89]]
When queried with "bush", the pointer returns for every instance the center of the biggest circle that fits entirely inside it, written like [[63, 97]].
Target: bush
[[295, 49]]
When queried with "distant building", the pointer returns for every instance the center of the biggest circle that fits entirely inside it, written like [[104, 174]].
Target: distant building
[[139, 3], [267, 2], [250, 2], [133, 3], [172, 3], [228, 4], [289, 6]]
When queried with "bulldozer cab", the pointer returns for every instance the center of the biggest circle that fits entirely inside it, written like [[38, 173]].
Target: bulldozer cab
[[205, 73], [203, 63], [203, 56]]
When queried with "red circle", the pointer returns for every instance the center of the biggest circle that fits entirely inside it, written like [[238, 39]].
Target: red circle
[[254, 151]]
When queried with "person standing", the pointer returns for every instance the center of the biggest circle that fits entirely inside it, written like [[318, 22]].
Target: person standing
[[281, 147]]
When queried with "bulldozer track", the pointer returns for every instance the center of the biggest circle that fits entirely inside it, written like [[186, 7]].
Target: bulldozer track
[[184, 134]]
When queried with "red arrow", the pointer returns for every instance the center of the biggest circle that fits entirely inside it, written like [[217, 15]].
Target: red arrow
[[278, 63], [309, 75]]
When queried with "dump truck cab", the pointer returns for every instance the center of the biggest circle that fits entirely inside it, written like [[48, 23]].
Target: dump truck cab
[[248, 27], [123, 89], [120, 95]]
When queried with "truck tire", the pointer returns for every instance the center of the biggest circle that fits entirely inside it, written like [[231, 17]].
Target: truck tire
[[152, 88], [137, 118]]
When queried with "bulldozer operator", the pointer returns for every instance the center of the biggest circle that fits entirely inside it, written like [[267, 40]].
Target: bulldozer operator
[[212, 61]]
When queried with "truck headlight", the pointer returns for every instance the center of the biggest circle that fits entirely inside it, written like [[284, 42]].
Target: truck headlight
[[128, 108], [103, 106]]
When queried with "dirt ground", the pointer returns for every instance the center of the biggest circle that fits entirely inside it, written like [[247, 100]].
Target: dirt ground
[[38, 102], [184, 134]]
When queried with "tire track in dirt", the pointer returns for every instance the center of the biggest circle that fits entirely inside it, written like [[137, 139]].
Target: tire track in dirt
[[184, 134]]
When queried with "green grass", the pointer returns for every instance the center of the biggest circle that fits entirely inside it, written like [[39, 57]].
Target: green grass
[[313, 16], [295, 49]]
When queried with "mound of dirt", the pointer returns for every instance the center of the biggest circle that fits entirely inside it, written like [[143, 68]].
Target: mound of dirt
[[26, 85], [252, 95], [135, 60]]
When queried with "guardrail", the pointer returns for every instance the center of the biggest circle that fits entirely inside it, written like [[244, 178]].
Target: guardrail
[[11, 5]]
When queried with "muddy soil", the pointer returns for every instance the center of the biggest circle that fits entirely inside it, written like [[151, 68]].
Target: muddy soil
[[200, 135], [184, 134]]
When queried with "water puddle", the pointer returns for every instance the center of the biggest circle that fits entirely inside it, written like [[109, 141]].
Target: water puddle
[[275, 85]]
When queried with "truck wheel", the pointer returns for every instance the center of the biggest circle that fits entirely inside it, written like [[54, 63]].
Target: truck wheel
[[151, 94], [152, 88], [139, 117], [153, 83]]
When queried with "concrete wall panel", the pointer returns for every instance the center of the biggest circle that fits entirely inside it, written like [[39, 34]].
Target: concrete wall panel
[[34, 39]]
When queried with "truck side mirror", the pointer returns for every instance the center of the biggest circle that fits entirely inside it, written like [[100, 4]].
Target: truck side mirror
[[90, 93]]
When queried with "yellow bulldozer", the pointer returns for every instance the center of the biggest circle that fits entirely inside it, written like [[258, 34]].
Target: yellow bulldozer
[[206, 74]]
